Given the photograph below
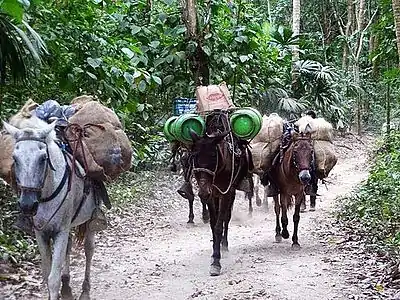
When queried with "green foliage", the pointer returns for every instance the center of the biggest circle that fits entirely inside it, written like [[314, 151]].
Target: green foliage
[[14, 246], [376, 204]]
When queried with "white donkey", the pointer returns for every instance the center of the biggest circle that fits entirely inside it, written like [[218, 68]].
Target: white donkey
[[56, 199]]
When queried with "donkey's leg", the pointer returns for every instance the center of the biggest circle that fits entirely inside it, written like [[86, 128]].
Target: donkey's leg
[[191, 214], [43, 242], [284, 219], [265, 200], [224, 246], [250, 205], [206, 214], [89, 251], [277, 207], [59, 253], [296, 219], [313, 197], [256, 189], [66, 291], [215, 268]]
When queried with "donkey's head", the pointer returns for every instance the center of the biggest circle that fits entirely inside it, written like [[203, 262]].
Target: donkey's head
[[31, 160], [303, 155], [206, 160]]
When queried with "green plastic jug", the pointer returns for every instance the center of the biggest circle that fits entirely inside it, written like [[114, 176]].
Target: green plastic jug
[[246, 123], [168, 129], [186, 122]]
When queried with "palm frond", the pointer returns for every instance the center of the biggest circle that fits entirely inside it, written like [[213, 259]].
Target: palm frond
[[17, 49]]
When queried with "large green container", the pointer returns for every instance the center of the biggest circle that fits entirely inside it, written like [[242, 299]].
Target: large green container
[[186, 122], [246, 123], [168, 129]]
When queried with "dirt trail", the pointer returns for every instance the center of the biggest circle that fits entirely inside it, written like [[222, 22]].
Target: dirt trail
[[161, 257]]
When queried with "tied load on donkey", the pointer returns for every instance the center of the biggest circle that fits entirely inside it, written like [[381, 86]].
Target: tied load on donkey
[[90, 136], [210, 114]]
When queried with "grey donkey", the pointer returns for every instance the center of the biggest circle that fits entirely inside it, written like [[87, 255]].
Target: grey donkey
[[56, 200]]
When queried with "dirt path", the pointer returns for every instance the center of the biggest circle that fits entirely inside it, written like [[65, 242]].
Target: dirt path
[[161, 257]]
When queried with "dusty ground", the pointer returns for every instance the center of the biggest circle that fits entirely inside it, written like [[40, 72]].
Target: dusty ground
[[149, 252]]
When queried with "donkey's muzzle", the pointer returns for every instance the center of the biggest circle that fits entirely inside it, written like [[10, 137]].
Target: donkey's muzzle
[[305, 177], [28, 202]]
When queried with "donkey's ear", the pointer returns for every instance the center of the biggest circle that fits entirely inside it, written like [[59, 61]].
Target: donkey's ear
[[45, 132], [14, 131], [307, 131], [194, 135]]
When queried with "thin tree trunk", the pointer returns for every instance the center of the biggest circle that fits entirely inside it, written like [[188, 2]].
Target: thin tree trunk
[[348, 32], [396, 13], [296, 32], [296, 28], [198, 60]]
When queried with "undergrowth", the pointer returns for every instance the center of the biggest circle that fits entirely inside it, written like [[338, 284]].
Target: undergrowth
[[373, 209]]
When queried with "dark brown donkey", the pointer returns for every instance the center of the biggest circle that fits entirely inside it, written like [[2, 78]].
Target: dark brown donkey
[[220, 163], [291, 176]]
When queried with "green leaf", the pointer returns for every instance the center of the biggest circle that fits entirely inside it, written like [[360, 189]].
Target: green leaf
[[91, 75], [135, 29], [128, 78], [128, 52], [180, 29], [207, 50], [169, 2], [94, 62], [243, 58], [168, 79], [137, 74], [226, 59], [145, 115], [142, 86], [13, 8], [140, 107], [170, 58], [154, 44], [157, 79]]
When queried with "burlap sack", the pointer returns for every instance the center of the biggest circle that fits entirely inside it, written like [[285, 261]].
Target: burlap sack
[[263, 155], [6, 159], [325, 158], [21, 118], [213, 97], [320, 128], [271, 130], [95, 134]]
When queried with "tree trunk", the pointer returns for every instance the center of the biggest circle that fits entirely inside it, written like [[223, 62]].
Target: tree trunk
[[198, 59], [296, 28], [348, 33], [296, 31], [396, 13]]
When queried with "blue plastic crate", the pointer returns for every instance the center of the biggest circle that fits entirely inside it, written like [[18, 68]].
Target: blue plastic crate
[[184, 105]]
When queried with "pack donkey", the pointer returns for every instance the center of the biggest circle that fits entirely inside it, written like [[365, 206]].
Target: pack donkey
[[220, 162], [290, 176], [55, 198]]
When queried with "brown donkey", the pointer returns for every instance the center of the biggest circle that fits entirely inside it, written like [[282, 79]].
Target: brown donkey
[[291, 176], [220, 162]]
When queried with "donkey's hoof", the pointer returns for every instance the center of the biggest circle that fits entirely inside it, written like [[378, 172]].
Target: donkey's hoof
[[278, 238], [312, 208], [215, 270], [66, 293], [258, 202], [190, 221], [296, 246], [250, 214], [84, 296], [285, 234], [224, 248]]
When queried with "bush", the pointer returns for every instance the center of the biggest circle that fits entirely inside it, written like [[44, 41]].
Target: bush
[[374, 207]]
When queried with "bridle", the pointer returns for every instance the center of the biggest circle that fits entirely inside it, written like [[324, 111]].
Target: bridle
[[57, 191], [294, 152]]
